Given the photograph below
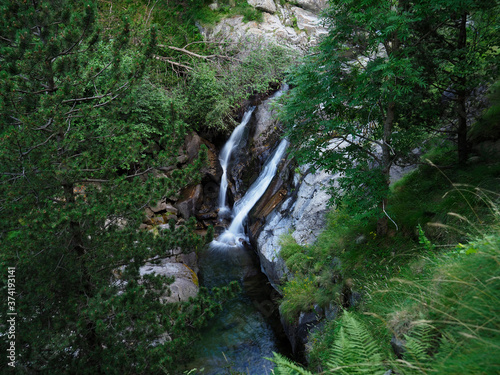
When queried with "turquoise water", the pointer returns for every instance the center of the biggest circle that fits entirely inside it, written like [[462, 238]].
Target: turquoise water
[[247, 330]]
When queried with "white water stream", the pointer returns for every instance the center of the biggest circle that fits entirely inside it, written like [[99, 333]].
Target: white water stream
[[236, 232], [225, 157]]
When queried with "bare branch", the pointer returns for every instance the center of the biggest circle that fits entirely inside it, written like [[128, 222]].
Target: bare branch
[[87, 98], [204, 57], [161, 58], [375, 157], [37, 146], [44, 127], [102, 70]]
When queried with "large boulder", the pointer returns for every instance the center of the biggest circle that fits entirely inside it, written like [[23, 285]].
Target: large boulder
[[185, 283], [264, 5]]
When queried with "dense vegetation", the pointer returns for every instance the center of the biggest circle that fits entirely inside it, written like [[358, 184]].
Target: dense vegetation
[[413, 264], [438, 270], [97, 97]]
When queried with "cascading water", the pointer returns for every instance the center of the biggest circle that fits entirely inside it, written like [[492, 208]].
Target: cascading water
[[225, 157], [236, 232], [239, 338]]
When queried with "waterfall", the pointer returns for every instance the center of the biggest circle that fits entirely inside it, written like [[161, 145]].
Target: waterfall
[[235, 232], [225, 157], [244, 332]]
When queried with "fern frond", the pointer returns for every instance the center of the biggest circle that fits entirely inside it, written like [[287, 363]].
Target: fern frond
[[418, 344], [286, 367], [417, 358], [354, 350]]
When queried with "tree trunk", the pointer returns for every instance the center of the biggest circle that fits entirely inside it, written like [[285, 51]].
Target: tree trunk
[[91, 338], [386, 164], [463, 147]]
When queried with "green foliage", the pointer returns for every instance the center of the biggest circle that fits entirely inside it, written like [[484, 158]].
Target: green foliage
[[251, 14], [447, 318], [316, 274], [418, 347], [459, 55], [487, 127], [298, 295], [433, 283], [286, 367], [354, 350], [79, 143], [423, 240], [347, 109], [213, 94], [230, 8], [206, 92]]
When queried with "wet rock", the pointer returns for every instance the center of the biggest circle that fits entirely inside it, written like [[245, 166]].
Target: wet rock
[[298, 332], [207, 215], [265, 129], [354, 299], [331, 312], [301, 212]]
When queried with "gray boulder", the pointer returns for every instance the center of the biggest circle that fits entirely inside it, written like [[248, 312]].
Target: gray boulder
[[185, 284], [264, 5]]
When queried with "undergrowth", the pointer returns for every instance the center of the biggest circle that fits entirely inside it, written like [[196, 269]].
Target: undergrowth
[[438, 272]]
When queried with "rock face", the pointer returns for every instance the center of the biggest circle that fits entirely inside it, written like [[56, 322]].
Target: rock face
[[298, 333], [312, 5], [266, 131], [297, 27], [190, 201], [302, 214]]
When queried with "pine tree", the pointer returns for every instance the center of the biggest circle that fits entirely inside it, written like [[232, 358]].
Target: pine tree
[[76, 171]]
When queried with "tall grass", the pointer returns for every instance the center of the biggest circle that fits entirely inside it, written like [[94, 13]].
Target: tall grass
[[441, 270]]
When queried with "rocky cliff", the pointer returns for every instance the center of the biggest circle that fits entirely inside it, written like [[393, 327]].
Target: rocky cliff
[[296, 25]]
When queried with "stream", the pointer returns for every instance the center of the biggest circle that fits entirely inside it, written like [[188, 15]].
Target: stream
[[248, 330]]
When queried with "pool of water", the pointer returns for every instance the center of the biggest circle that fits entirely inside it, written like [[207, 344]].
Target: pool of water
[[248, 330]]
